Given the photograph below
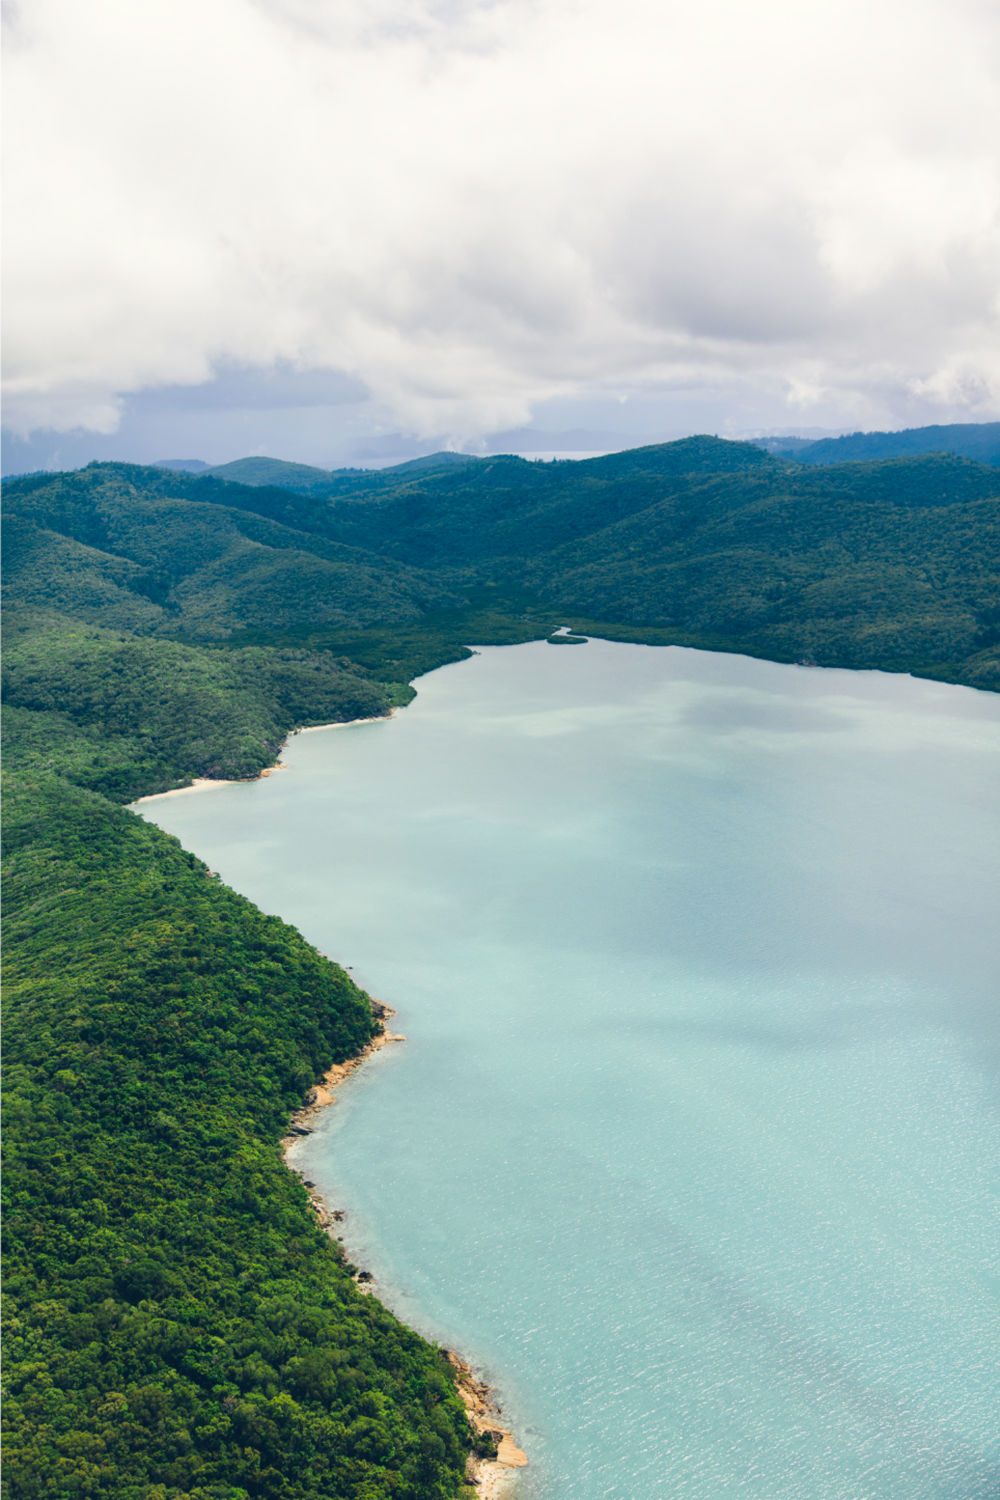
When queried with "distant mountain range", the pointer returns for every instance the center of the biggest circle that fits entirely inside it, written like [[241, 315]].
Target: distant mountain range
[[308, 480], [978, 440]]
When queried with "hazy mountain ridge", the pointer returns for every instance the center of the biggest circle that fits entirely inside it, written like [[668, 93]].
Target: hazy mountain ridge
[[309, 480], [978, 440]]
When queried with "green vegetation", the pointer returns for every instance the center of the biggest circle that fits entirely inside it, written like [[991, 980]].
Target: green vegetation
[[159, 552], [178, 1326], [127, 715], [894, 564], [891, 564]]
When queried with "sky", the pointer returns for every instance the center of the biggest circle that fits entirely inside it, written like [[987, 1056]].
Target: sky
[[351, 230]]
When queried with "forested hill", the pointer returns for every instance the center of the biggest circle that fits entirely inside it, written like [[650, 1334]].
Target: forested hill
[[153, 550], [178, 1327], [890, 564]]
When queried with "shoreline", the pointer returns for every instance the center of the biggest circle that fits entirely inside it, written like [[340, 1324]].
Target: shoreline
[[491, 1476], [206, 783], [338, 724]]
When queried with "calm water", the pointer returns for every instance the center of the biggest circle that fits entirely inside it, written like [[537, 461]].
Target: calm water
[[694, 1142]]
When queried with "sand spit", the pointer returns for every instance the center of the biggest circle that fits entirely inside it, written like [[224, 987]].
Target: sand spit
[[199, 784], [205, 783], [490, 1476]]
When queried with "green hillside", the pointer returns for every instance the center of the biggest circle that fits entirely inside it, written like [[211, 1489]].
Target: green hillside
[[890, 564], [894, 564], [157, 551], [694, 455], [508, 507], [445, 458], [178, 1327], [127, 715]]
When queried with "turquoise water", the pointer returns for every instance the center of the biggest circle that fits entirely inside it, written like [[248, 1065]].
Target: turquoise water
[[693, 1145]]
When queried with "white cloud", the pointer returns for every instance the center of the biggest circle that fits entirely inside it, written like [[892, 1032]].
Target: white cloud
[[474, 207]]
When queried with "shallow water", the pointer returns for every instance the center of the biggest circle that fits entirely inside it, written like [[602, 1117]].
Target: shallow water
[[693, 1145]]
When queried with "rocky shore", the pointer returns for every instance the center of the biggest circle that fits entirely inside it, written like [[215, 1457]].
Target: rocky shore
[[490, 1475]]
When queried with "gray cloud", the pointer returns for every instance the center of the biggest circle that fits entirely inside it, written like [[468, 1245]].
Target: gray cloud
[[454, 215]]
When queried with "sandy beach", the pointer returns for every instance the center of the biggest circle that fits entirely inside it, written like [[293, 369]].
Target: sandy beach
[[205, 783], [340, 724], [200, 784], [492, 1477]]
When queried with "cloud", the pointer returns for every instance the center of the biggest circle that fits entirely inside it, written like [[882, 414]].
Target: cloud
[[469, 209]]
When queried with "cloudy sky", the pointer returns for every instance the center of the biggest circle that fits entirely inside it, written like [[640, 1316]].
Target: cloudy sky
[[330, 229]]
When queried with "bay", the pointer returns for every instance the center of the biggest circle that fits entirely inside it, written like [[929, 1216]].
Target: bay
[[693, 1144]]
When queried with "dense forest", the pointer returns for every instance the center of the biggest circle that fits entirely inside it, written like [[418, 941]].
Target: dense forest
[[889, 564], [177, 1322], [178, 1325]]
